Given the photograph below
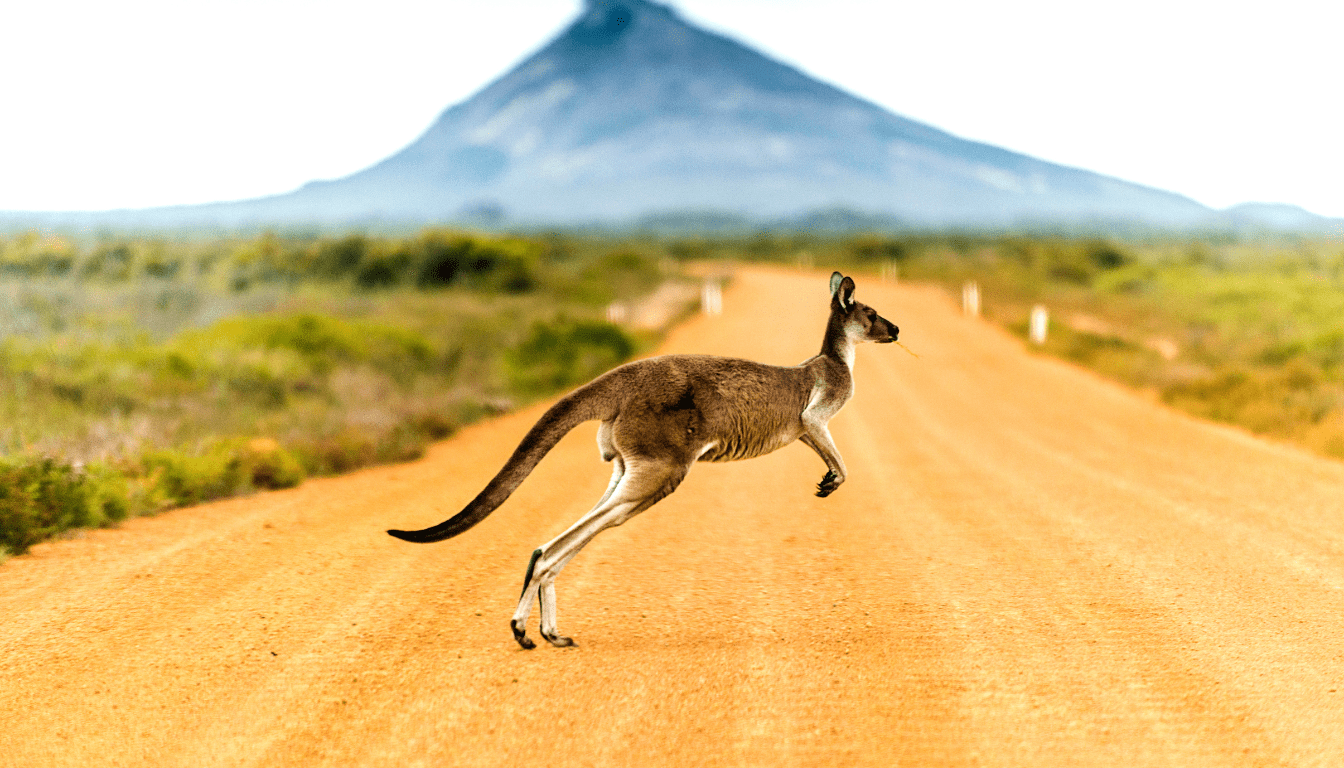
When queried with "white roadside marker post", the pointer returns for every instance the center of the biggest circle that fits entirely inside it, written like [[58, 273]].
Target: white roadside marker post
[[711, 298], [1040, 323], [970, 299]]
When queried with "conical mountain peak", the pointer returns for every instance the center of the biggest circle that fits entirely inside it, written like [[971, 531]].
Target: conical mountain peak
[[632, 110], [605, 21]]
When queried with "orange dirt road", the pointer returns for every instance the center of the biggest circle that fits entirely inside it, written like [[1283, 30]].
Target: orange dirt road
[[1027, 567]]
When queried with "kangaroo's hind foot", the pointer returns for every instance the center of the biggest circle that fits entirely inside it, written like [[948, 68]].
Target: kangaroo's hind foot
[[546, 596], [519, 625], [549, 631], [539, 585], [640, 487], [559, 641], [520, 634]]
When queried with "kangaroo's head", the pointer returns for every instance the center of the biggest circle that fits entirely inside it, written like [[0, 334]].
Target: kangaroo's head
[[860, 322]]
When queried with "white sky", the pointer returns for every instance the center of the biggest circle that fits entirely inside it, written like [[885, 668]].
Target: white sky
[[156, 102]]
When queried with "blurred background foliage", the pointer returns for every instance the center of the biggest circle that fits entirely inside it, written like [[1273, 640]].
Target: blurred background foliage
[[142, 373], [146, 373]]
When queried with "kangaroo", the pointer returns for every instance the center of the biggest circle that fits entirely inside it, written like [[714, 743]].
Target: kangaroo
[[661, 415]]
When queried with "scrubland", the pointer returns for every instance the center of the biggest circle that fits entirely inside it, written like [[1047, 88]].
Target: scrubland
[[138, 374], [142, 373]]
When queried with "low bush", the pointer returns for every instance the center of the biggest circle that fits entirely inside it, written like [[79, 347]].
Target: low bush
[[565, 353], [42, 497], [264, 464], [225, 468], [354, 447]]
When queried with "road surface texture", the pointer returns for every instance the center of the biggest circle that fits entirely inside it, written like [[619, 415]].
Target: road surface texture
[[1028, 566]]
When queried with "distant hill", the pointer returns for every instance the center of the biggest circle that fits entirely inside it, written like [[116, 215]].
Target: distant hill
[[1250, 217], [631, 112]]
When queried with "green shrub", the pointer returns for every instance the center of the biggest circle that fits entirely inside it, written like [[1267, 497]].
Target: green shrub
[[383, 270], [40, 264], [162, 267], [321, 342], [186, 479], [404, 442], [565, 353], [341, 257], [1281, 401], [110, 263], [349, 449], [1070, 267], [264, 464], [872, 249], [225, 468], [1107, 256], [355, 447], [40, 498], [507, 265], [434, 426], [259, 385], [20, 526], [111, 496], [443, 259]]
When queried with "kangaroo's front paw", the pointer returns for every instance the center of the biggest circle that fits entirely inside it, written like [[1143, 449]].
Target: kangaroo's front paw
[[520, 634], [829, 482]]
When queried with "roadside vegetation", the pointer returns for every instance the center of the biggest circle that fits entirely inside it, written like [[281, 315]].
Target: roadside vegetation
[[1249, 333], [140, 374]]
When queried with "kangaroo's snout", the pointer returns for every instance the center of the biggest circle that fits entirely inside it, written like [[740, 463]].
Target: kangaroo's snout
[[892, 331]]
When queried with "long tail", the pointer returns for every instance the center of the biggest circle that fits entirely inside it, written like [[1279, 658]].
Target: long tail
[[583, 404]]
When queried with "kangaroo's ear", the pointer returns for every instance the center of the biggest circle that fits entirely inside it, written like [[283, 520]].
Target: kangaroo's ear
[[846, 294], [836, 277]]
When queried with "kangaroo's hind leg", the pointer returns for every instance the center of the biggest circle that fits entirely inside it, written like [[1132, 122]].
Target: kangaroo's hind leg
[[643, 484], [546, 592], [548, 600]]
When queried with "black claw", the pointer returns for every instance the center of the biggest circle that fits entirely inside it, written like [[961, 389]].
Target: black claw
[[520, 634], [827, 484]]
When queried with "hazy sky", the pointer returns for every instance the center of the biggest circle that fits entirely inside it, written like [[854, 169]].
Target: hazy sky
[[141, 103]]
